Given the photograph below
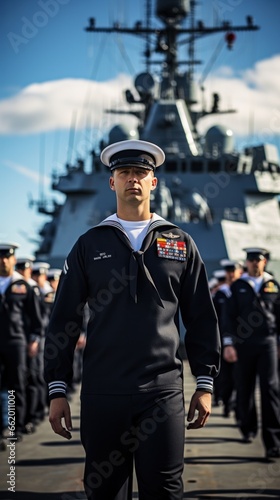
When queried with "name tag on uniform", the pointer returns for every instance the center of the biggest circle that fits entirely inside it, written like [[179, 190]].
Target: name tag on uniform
[[171, 249]]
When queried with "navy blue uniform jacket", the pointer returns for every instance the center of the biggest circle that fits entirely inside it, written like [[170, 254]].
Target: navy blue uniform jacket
[[250, 317], [20, 318], [134, 298]]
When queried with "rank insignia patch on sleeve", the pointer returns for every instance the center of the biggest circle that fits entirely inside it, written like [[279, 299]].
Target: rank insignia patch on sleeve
[[19, 288], [171, 249], [271, 287]]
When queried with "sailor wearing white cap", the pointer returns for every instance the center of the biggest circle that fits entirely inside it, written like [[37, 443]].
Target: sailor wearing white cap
[[220, 275], [225, 383], [135, 270], [132, 153], [256, 253], [25, 262], [252, 323], [40, 275], [53, 274], [8, 249], [24, 267], [40, 267], [231, 265], [21, 328], [213, 284]]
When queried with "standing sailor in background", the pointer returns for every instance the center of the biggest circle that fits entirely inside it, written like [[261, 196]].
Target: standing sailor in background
[[136, 271], [53, 276], [24, 267], [39, 275], [21, 329], [227, 376], [219, 275], [251, 327]]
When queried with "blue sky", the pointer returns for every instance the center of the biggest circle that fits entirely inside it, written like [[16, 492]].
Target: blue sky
[[54, 73]]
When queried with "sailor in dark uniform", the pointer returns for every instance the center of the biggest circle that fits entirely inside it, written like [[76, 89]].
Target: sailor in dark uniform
[[251, 326], [24, 267], [226, 380], [47, 294], [21, 329], [53, 276], [135, 270], [219, 275]]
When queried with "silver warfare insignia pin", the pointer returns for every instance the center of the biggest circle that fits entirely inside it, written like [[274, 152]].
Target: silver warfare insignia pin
[[171, 235]]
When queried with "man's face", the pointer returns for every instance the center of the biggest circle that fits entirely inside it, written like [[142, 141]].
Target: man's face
[[54, 284], [40, 279], [255, 266], [7, 265], [133, 184], [26, 273], [233, 275]]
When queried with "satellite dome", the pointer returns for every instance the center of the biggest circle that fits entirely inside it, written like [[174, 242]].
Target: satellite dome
[[122, 133], [218, 140]]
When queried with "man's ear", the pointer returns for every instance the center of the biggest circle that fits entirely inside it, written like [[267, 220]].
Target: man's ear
[[112, 183], [154, 183]]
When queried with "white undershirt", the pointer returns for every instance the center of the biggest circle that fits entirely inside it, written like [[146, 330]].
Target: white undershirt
[[255, 281], [136, 231]]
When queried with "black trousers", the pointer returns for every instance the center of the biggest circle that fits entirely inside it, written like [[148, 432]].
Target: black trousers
[[13, 363], [41, 384], [259, 359], [31, 390], [146, 429]]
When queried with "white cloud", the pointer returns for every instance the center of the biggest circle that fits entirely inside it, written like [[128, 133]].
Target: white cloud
[[255, 96], [55, 104]]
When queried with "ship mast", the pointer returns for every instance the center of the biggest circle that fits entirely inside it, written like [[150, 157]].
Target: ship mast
[[173, 13]]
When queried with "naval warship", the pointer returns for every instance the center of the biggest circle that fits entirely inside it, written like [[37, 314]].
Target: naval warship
[[225, 199]]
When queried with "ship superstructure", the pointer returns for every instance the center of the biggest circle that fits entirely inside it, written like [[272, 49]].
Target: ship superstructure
[[225, 199]]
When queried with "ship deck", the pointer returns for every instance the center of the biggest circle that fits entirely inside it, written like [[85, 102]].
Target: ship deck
[[218, 465]]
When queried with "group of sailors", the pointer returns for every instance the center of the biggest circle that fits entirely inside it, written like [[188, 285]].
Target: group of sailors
[[246, 298], [27, 292], [247, 305]]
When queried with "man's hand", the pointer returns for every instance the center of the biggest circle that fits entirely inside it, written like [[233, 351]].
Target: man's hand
[[59, 408], [201, 401], [32, 348], [230, 354]]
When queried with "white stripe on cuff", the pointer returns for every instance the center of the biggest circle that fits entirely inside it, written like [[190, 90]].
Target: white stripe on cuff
[[57, 386], [227, 341], [205, 382]]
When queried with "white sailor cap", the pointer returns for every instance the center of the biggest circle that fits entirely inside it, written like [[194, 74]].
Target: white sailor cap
[[7, 249], [131, 153], [230, 265], [256, 253], [40, 268], [54, 274], [212, 283], [219, 274], [24, 262]]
